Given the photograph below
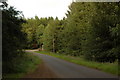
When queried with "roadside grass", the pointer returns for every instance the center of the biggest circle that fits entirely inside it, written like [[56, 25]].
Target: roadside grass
[[106, 67], [26, 64]]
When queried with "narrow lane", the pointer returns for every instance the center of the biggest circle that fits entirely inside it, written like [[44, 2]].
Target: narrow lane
[[65, 69]]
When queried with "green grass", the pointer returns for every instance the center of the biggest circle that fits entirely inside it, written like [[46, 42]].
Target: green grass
[[26, 64], [106, 67]]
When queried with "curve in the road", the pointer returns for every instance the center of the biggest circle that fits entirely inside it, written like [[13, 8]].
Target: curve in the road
[[65, 69]]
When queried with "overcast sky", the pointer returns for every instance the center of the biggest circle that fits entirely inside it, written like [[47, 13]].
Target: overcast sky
[[41, 8]]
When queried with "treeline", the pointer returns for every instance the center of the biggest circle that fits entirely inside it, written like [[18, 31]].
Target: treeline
[[13, 39], [90, 29]]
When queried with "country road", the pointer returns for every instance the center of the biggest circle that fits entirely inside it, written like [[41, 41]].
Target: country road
[[64, 69]]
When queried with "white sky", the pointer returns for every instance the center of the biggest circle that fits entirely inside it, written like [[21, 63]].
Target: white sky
[[41, 8]]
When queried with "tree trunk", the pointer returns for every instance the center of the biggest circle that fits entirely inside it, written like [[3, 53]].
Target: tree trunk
[[53, 45]]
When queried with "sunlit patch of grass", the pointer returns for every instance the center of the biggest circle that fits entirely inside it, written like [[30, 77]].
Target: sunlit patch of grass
[[106, 67]]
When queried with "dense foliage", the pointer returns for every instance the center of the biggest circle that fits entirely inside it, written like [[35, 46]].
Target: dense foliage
[[90, 29], [103, 44], [13, 38], [34, 29]]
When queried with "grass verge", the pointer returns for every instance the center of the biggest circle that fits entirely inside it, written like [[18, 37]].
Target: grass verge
[[23, 65], [106, 67]]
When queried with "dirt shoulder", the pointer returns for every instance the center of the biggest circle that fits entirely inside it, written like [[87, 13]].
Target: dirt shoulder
[[41, 72]]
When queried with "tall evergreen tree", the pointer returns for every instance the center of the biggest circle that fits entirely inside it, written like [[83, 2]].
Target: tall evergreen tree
[[77, 25], [13, 39], [101, 45]]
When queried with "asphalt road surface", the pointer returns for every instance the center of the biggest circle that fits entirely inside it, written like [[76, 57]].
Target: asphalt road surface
[[64, 69]]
